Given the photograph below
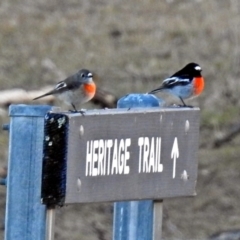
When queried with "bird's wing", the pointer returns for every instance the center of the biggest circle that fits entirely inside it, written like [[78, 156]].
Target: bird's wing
[[175, 81], [170, 83], [59, 88]]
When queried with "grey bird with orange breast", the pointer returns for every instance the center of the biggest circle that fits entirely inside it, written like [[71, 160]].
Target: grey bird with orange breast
[[74, 90]]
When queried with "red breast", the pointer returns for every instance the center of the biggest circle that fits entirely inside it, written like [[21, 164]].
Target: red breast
[[90, 89], [198, 84]]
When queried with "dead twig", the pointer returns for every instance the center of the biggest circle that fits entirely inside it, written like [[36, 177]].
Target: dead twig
[[227, 138]]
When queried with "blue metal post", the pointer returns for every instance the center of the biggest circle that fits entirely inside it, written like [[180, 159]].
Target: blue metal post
[[134, 220], [25, 215]]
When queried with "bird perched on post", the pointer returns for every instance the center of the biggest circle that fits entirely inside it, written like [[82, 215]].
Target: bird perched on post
[[75, 89], [186, 83]]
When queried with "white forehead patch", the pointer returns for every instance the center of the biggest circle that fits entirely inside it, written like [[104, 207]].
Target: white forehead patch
[[198, 68]]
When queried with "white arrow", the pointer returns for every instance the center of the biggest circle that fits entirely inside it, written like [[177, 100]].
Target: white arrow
[[174, 155]]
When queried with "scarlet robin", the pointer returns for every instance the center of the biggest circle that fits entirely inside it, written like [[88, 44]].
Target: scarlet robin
[[75, 89], [186, 83]]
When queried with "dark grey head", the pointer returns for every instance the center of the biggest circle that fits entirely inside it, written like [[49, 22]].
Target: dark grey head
[[84, 76]]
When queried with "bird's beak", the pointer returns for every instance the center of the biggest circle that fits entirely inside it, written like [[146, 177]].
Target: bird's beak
[[90, 75]]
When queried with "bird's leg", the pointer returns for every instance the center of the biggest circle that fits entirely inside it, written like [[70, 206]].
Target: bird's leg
[[184, 104], [76, 111]]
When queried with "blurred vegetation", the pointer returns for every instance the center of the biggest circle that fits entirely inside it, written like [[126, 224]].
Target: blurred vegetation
[[132, 45]]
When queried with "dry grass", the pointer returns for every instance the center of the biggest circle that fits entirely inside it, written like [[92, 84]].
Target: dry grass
[[128, 44]]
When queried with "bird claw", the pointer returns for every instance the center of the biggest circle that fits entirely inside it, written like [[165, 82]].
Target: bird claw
[[185, 106], [73, 111], [78, 111], [82, 112]]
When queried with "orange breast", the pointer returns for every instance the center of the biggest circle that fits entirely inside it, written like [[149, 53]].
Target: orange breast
[[198, 85], [89, 89]]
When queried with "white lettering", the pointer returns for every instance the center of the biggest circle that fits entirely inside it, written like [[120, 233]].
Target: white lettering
[[94, 158], [105, 157], [115, 157], [160, 166], [109, 146], [111, 156], [149, 155], [88, 159], [101, 153], [127, 156], [140, 144], [145, 154], [157, 152], [121, 157], [152, 157]]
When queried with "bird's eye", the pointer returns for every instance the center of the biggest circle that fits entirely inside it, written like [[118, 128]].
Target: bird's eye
[[82, 75]]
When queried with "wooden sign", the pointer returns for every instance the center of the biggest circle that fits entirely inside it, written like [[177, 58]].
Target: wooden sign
[[116, 155]]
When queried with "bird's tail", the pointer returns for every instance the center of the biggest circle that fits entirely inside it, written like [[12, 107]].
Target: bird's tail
[[44, 95]]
